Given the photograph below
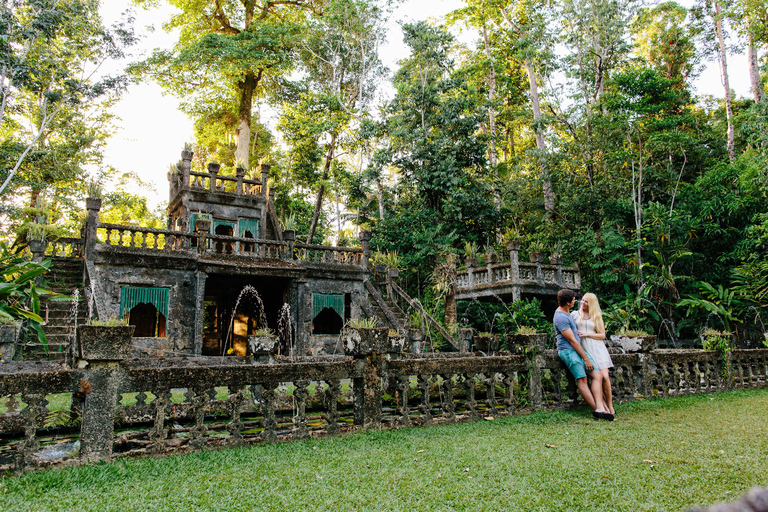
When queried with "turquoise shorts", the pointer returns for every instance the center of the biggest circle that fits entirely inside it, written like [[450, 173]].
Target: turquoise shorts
[[575, 363]]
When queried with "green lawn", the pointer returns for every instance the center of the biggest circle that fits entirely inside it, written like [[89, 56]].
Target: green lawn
[[669, 454]]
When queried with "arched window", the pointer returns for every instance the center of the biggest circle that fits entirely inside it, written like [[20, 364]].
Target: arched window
[[147, 309], [328, 312]]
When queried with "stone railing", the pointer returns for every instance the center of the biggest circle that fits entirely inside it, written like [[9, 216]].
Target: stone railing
[[215, 182], [325, 254], [163, 240], [521, 273], [65, 248], [145, 238], [249, 247], [178, 405]]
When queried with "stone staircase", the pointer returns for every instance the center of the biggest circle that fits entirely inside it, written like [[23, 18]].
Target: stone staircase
[[65, 276]]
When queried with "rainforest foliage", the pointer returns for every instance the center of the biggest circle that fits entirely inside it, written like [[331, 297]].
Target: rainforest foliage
[[571, 126]]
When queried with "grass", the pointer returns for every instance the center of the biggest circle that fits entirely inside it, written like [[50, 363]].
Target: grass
[[669, 454]]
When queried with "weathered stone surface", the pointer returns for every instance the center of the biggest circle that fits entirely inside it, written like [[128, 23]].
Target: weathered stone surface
[[8, 334], [523, 343], [634, 344], [755, 501], [104, 342], [364, 341]]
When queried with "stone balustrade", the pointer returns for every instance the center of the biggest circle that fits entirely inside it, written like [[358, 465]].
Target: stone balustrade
[[166, 406], [310, 253], [219, 183], [145, 238], [65, 248]]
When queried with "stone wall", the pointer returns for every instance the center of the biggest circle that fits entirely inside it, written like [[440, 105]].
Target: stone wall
[[174, 405]]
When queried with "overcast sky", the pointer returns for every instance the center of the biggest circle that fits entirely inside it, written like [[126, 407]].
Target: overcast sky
[[152, 131]]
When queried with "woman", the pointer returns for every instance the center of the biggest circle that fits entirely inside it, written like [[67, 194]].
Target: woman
[[591, 329]]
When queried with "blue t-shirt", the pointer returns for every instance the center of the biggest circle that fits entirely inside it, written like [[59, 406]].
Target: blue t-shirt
[[564, 322]]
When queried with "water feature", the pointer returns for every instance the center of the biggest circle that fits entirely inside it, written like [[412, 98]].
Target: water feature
[[247, 290], [286, 331], [665, 323]]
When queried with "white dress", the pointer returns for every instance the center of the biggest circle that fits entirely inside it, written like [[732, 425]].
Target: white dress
[[595, 348]]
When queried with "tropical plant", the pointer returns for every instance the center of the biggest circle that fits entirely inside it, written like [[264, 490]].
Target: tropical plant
[[19, 296], [719, 341], [633, 333], [264, 332], [363, 323], [110, 321], [527, 329], [718, 301], [471, 250]]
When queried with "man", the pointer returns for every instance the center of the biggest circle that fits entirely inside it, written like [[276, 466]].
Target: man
[[575, 358]]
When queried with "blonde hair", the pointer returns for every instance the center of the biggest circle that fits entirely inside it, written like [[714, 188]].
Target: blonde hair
[[595, 313]]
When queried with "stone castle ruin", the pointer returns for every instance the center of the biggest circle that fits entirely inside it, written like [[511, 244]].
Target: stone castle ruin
[[224, 269]]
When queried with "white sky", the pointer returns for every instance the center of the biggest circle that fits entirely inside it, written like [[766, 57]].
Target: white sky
[[152, 131]]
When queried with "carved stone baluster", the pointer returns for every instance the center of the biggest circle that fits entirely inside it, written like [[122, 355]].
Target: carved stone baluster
[[121, 234], [32, 415], [332, 399], [197, 396], [490, 393], [159, 432], [447, 402], [509, 392], [235, 426], [468, 381], [300, 420], [403, 386], [268, 410], [425, 408], [12, 405], [557, 392]]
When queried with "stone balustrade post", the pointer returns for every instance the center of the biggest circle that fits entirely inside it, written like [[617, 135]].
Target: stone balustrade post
[[186, 167], [535, 393], [239, 174], [100, 382], [513, 246], [264, 169], [213, 170], [370, 346], [365, 241], [557, 260]]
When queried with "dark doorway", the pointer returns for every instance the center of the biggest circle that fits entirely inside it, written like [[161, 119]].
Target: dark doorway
[[149, 322], [221, 294]]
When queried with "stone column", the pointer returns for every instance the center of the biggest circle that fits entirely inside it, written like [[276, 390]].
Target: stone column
[[100, 383], [239, 174], [213, 170], [201, 278], [535, 394], [303, 317], [264, 169], [557, 260], [369, 346], [365, 240], [186, 167], [513, 246]]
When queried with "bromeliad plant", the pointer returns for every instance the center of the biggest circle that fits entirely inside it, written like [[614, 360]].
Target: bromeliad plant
[[19, 296]]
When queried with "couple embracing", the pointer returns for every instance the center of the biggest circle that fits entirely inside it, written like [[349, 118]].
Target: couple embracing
[[580, 345]]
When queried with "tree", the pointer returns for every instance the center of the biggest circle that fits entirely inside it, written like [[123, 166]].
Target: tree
[[49, 61], [228, 50], [340, 55]]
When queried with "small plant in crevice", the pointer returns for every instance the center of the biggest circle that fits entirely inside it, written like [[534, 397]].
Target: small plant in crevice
[[363, 323], [719, 341]]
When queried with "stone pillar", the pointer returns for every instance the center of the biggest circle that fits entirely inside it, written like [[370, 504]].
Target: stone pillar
[[465, 338], [303, 317], [37, 248], [538, 259], [239, 174], [213, 170], [186, 167], [100, 383], [513, 247], [646, 386], [557, 260], [201, 278], [368, 346], [535, 394], [365, 240], [264, 169]]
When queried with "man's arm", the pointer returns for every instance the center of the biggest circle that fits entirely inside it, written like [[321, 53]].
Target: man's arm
[[568, 334]]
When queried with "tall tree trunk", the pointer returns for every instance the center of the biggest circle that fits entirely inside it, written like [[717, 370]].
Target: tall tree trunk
[[247, 87], [319, 200], [541, 145], [754, 69], [380, 197], [718, 17], [637, 204]]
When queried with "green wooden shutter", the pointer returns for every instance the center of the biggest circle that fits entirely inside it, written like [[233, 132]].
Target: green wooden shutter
[[251, 225], [320, 301], [130, 296]]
